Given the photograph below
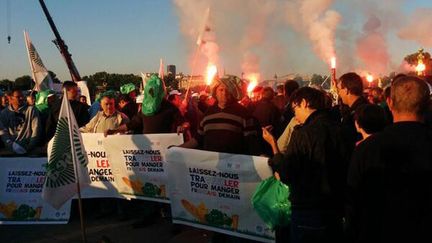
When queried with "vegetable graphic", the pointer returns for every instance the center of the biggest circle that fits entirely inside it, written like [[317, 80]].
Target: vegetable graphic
[[22, 212], [218, 218], [198, 212], [8, 209], [151, 190], [136, 185]]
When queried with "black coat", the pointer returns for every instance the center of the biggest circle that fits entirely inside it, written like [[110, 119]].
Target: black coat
[[390, 186], [349, 132], [314, 165], [80, 111]]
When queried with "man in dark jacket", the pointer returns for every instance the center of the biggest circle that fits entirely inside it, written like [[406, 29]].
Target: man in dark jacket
[[267, 114], [314, 169], [79, 109], [390, 175], [350, 91]]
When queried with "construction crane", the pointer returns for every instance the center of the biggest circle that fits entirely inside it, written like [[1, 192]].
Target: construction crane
[[61, 45]]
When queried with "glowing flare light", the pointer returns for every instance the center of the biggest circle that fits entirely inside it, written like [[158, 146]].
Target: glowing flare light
[[211, 73], [333, 62], [369, 78], [253, 81], [420, 67]]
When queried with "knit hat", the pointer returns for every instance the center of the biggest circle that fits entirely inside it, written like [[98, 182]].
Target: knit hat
[[234, 84], [109, 93]]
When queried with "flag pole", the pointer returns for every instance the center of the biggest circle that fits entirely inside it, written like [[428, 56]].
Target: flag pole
[[83, 230], [192, 71], [199, 42]]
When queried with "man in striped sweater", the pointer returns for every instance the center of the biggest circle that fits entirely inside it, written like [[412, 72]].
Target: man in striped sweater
[[227, 126]]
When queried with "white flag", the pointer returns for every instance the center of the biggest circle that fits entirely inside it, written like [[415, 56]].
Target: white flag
[[82, 85], [67, 160], [144, 80], [43, 80]]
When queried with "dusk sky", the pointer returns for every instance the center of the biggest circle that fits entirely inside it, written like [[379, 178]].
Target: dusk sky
[[130, 36]]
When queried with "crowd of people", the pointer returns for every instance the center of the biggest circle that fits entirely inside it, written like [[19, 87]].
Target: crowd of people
[[358, 164]]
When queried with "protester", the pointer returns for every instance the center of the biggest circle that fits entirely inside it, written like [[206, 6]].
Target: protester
[[287, 114], [285, 138], [389, 180], [175, 98], [202, 102], [267, 115], [369, 119], [31, 98], [3, 101], [313, 167], [279, 99], [108, 118], [95, 107], [350, 90], [20, 125], [83, 100], [265, 111], [375, 95], [44, 101], [158, 115], [80, 111], [227, 126], [131, 107], [384, 105], [124, 107]]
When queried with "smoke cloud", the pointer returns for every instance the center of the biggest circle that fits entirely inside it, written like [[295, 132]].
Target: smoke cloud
[[418, 27], [314, 19], [372, 47], [299, 36]]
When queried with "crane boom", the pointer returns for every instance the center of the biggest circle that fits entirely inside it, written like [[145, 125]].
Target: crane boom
[[61, 45]]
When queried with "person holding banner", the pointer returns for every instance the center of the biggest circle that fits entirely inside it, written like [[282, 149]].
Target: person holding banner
[[314, 168], [108, 118], [158, 116], [227, 126]]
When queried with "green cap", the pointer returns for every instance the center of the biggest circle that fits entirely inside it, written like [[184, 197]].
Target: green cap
[[42, 100], [127, 88]]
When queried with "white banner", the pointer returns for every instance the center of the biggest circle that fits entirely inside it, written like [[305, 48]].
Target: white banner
[[21, 193], [213, 191], [139, 168], [102, 181]]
